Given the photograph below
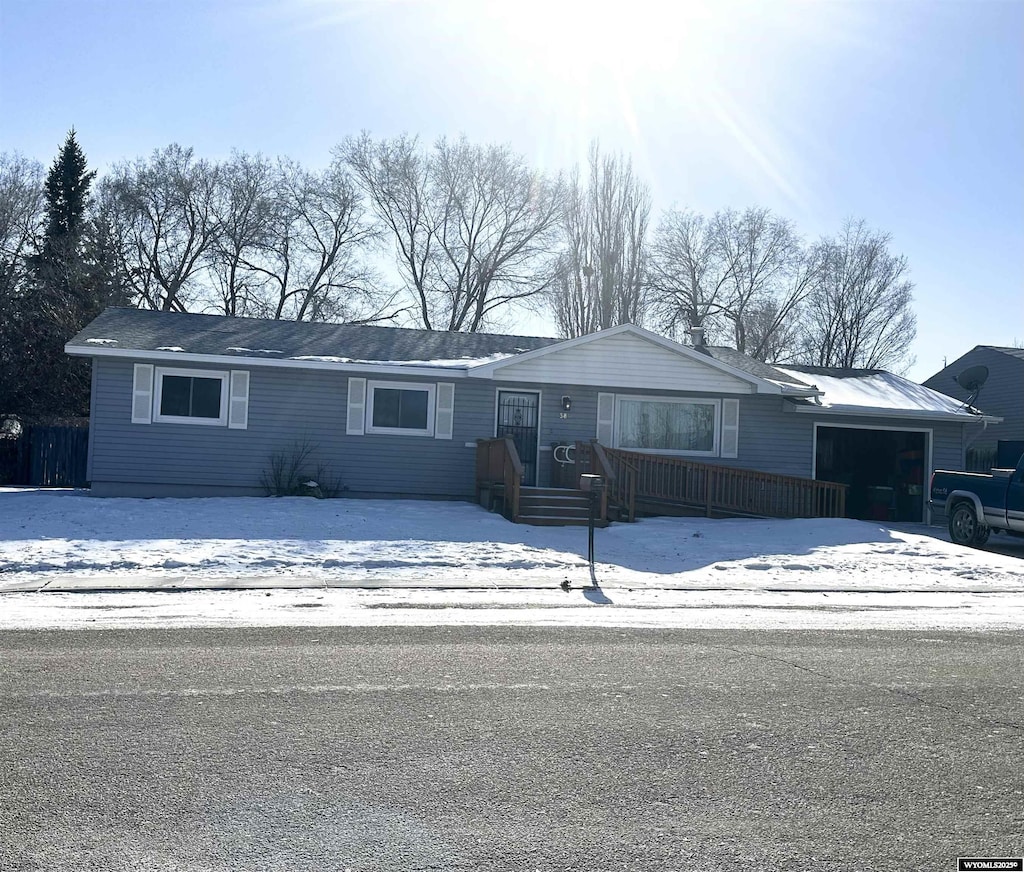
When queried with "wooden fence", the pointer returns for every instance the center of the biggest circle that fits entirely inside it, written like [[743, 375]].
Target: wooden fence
[[45, 457]]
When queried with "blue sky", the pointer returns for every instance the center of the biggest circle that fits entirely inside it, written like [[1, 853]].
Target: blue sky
[[909, 115]]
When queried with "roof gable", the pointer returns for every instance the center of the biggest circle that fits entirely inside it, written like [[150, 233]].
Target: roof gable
[[628, 357], [988, 355]]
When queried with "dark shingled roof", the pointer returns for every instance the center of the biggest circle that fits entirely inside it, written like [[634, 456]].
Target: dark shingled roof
[[737, 359], [145, 330], [1013, 352]]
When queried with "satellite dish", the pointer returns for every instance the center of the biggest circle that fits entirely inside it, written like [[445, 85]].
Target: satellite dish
[[972, 378]]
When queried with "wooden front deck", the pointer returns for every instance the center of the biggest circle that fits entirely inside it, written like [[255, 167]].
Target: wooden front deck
[[649, 484]]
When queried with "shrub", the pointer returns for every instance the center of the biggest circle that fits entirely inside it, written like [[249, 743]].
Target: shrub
[[291, 473]]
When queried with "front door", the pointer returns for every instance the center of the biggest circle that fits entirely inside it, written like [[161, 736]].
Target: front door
[[518, 413]]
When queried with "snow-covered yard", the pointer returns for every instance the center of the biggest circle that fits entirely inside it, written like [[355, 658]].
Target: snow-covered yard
[[66, 539]]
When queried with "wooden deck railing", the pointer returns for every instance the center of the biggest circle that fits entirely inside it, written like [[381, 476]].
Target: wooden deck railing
[[619, 475], [498, 466], [726, 489], [633, 476]]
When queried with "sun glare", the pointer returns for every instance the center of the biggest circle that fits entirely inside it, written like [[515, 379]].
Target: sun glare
[[657, 69], [578, 41]]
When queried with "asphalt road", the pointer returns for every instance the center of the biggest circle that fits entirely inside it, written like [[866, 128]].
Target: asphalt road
[[508, 749]]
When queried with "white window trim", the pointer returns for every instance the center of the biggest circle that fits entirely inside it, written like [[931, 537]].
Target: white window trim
[[683, 401], [158, 389], [427, 387]]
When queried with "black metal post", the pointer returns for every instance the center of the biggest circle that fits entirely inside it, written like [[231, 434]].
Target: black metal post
[[593, 486], [595, 496]]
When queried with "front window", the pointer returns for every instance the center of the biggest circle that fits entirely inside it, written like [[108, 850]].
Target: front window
[[684, 426], [191, 396], [400, 408]]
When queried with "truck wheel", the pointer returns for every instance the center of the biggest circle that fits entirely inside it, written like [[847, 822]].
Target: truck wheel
[[981, 535], [963, 526]]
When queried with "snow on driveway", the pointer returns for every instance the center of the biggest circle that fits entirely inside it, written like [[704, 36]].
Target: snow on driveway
[[65, 539]]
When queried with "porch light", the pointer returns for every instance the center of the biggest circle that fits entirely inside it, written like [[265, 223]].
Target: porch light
[[566, 403]]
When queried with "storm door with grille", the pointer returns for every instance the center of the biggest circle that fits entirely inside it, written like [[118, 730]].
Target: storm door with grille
[[518, 413]]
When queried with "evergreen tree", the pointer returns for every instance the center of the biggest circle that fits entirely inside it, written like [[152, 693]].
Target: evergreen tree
[[66, 286], [67, 196]]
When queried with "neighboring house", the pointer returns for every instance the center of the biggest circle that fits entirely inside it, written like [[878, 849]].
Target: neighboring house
[[1002, 394], [190, 405]]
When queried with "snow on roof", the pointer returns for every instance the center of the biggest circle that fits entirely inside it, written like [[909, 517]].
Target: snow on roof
[[453, 363], [876, 389]]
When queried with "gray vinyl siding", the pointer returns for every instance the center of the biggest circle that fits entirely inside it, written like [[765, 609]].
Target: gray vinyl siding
[[287, 406], [771, 439], [1002, 395], [758, 415]]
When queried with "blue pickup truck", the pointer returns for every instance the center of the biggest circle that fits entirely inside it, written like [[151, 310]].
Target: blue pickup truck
[[977, 504]]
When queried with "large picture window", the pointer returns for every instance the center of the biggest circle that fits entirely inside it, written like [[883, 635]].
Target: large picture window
[[186, 396], [669, 426], [400, 408]]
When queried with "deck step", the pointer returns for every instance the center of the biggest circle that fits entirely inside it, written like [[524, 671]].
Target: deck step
[[543, 509], [554, 499], [567, 500], [551, 492], [555, 507], [556, 521]]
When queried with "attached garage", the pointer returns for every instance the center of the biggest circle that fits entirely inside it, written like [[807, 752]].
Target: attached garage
[[886, 469], [882, 435]]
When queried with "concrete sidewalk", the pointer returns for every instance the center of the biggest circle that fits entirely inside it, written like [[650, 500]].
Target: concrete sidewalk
[[536, 607], [751, 581]]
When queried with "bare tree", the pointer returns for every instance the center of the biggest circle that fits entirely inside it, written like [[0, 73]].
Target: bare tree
[[250, 236], [573, 298], [473, 226], [602, 272], [689, 276], [21, 217], [773, 333], [247, 209], [163, 210], [859, 308], [311, 258], [740, 275], [769, 274]]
